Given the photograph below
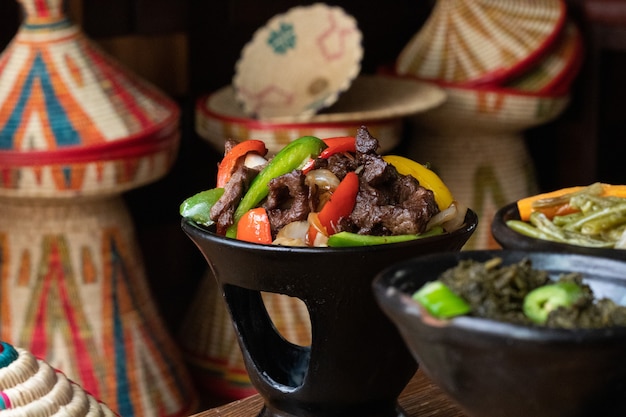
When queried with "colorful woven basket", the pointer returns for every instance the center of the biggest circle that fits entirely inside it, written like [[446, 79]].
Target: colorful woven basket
[[75, 293], [476, 42], [378, 102], [32, 387], [72, 119], [555, 72], [475, 142], [299, 62], [77, 130]]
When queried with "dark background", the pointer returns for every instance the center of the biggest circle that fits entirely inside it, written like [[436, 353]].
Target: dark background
[[189, 48]]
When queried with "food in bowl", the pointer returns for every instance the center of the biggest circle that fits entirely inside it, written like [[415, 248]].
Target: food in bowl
[[518, 293], [590, 216], [493, 368], [324, 192]]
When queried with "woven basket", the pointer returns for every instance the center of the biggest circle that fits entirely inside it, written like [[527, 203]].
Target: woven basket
[[378, 102], [299, 62], [75, 294], [210, 345], [477, 42], [72, 119], [475, 142], [555, 72], [32, 387]]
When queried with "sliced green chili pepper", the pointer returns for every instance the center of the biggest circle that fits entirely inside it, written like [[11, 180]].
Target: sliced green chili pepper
[[441, 301], [542, 300], [293, 156], [198, 206], [345, 239]]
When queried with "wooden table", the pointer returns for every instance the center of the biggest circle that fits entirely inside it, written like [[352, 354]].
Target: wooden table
[[420, 398]]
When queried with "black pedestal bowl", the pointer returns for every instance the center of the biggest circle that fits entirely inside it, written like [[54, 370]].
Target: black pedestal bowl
[[357, 364], [496, 369]]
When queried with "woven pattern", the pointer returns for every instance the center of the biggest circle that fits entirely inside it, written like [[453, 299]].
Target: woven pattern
[[481, 41], [378, 102], [309, 56], [474, 142], [74, 293], [32, 387], [72, 118]]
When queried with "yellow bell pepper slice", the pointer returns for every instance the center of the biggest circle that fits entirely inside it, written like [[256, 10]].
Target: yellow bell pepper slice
[[426, 177]]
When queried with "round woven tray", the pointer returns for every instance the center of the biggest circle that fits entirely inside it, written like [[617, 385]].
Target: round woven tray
[[378, 102], [299, 62]]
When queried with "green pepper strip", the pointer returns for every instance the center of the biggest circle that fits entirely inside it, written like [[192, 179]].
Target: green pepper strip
[[542, 300], [293, 156], [198, 206], [441, 301], [346, 239]]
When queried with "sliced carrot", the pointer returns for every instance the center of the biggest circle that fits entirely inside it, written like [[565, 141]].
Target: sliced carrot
[[526, 205]]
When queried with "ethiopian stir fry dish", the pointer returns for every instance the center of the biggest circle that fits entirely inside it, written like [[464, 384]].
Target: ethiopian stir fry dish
[[324, 192]]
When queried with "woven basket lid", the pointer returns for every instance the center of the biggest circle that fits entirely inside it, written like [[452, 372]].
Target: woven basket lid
[[474, 42], [31, 387], [299, 62], [554, 73], [73, 121], [376, 101]]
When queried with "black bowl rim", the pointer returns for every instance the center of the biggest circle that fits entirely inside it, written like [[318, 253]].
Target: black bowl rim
[[391, 297], [468, 228], [505, 236]]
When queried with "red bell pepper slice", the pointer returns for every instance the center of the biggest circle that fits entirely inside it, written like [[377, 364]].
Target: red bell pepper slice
[[335, 145], [254, 226], [340, 204], [338, 144], [226, 167]]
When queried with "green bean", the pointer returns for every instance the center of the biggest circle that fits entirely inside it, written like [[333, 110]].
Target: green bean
[[566, 219], [541, 222], [527, 229], [604, 223], [577, 225]]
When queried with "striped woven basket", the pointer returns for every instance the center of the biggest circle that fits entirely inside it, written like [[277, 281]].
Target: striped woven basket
[[75, 293], [477, 42], [378, 102], [76, 130], [475, 143], [72, 119], [32, 387]]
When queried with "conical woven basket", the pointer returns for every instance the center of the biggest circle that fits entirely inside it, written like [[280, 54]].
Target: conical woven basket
[[32, 387], [72, 119], [477, 42], [75, 294], [475, 142]]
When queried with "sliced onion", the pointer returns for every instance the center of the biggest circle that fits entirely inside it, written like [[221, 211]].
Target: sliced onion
[[254, 160], [457, 221], [293, 234], [450, 219], [322, 178]]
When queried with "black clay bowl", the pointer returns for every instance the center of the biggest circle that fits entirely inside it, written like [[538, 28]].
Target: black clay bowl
[[357, 363], [510, 239], [495, 369]]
